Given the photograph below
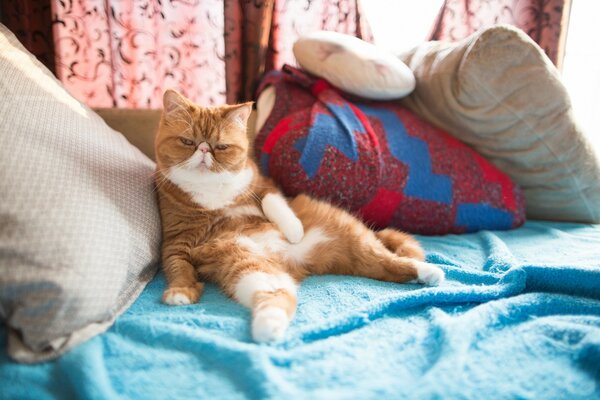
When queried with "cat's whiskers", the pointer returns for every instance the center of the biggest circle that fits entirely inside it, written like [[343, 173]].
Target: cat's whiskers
[[250, 194], [161, 175], [256, 185], [160, 181]]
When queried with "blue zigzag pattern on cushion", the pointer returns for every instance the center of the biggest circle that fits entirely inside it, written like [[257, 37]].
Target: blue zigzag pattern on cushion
[[476, 217], [422, 182], [346, 116], [336, 130], [300, 144], [264, 163]]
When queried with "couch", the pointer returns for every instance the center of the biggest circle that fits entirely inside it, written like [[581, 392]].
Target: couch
[[518, 317]]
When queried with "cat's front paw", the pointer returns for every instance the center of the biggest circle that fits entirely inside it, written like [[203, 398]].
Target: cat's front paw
[[179, 296], [269, 325], [293, 230]]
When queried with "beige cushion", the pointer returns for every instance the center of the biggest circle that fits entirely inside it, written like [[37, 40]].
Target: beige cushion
[[79, 223], [354, 65], [497, 91]]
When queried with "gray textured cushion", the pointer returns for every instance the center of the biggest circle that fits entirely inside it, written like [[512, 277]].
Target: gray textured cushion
[[79, 227], [497, 91]]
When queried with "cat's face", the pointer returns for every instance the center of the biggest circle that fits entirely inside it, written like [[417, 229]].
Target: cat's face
[[199, 139]]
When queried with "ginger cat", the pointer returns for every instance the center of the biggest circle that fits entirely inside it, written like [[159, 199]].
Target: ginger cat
[[225, 223]]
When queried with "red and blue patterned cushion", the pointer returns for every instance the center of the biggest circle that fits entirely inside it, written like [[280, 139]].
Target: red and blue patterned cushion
[[380, 161]]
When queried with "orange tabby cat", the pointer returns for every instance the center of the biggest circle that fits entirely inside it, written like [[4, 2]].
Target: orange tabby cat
[[225, 223]]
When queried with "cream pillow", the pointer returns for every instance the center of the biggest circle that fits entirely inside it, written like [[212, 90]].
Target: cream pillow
[[79, 223], [498, 92], [354, 65]]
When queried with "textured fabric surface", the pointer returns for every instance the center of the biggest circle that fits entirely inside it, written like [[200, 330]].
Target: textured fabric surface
[[79, 224], [354, 66], [518, 317], [379, 160], [499, 93]]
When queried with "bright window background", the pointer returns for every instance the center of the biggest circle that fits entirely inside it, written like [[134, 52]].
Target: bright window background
[[399, 25], [581, 68]]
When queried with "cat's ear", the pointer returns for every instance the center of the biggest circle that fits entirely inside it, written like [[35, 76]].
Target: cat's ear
[[173, 100], [239, 113]]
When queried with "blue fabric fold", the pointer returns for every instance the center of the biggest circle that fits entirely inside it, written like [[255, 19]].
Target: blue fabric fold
[[518, 317]]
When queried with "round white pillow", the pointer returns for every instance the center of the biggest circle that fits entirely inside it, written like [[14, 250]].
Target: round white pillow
[[353, 65]]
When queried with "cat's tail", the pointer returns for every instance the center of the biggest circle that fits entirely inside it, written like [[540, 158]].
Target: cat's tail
[[401, 243]]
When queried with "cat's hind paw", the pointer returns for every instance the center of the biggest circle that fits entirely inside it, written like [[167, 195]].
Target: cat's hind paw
[[179, 296], [269, 325], [429, 274]]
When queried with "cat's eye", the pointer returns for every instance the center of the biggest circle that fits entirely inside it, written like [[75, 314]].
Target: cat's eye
[[186, 141], [221, 146]]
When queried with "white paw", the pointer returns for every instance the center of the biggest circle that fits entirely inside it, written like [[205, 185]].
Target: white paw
[[429, 274], [269, 325], [176, 299], [293, 230]]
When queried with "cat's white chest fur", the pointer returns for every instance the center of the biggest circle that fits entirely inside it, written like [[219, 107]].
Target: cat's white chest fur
[[211, 190]]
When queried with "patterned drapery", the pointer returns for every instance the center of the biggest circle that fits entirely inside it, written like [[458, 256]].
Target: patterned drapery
[[247, 31], [126, 53], [292, 19], [30, 21], [259, 35], [545, 21]]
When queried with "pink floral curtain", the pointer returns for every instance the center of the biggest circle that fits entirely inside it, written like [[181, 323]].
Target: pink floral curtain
[[126, 53], [545, 21], [259, 35], [292, 19]]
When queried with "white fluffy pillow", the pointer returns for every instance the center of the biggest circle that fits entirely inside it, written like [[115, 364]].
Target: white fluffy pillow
[[354, 65]]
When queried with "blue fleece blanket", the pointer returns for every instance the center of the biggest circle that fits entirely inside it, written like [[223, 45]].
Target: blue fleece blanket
[[519, 317]]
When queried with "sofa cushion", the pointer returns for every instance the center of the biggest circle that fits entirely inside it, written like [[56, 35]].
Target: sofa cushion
[[79, 223], [498, 92], [378, 160]]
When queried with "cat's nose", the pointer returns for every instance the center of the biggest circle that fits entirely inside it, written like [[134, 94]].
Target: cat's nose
[[204, 147]]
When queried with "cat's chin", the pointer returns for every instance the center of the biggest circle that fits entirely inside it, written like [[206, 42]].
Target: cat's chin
[[201, 169]]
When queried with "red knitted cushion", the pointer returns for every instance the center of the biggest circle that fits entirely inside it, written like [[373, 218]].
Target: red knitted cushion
[[380, 161]]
